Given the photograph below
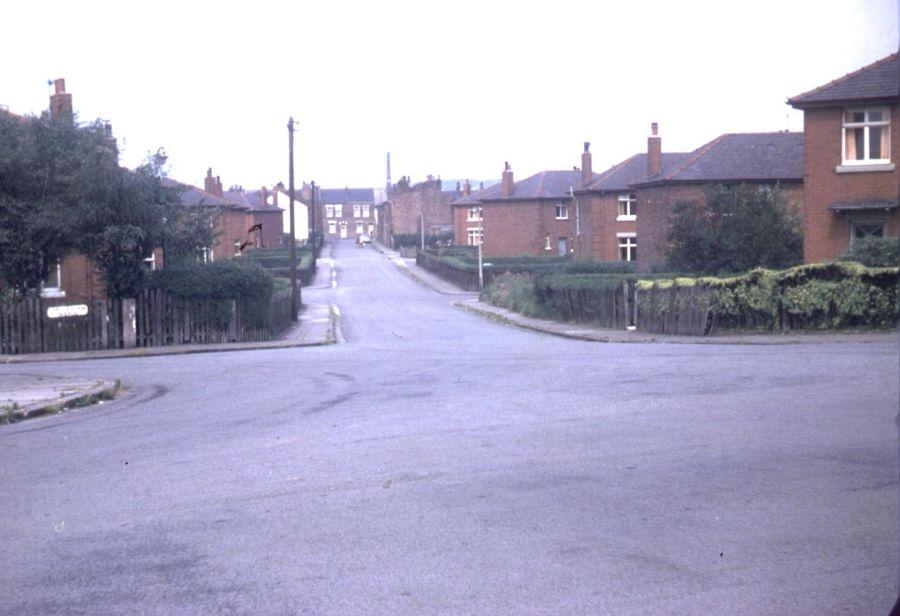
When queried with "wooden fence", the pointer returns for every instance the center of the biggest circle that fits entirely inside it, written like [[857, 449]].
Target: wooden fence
[[673, 310], [42, 325]]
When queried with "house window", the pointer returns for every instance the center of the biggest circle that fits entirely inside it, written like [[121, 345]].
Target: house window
[[206, 255], [865, 229], [356, 211], [150, 263], [562, 211], [474, 214], [329, 211], [339, 210], [51, 286], [867, 136], [332, 227], [626, 207], [627, 246], [475, 236], [365, 211], [359, 227], [547, 245], [561, 247]]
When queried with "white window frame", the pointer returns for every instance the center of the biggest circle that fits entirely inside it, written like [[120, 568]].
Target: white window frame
[[562, 210], [365, 211], [206, 255], [54, 291], [151, 261], [474, 214], [357, 210], [359, 227], [474, 236], [867, 222], [339, 210], [329, 211], [332, 227], [866, 124], [629, 201], [547, 245], [628, 241]]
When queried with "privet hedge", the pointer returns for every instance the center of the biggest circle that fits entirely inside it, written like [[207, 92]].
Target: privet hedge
[[215, 284], [822, 296]]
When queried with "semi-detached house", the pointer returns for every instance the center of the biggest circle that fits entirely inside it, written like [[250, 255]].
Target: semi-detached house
[[851, 143]]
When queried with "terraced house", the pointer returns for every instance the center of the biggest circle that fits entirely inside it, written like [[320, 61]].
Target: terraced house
[[851, 140], [346, 212], [534, 216]]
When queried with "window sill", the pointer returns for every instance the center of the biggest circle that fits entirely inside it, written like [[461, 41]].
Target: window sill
[[631, 218], [865, 168], [561, 218], [52, 293]]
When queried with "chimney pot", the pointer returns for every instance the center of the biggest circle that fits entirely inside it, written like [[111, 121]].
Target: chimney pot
[[61, 101], [507, 185]]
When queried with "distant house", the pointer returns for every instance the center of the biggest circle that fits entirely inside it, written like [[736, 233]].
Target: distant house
[[345, 212], [411, 207], [534, 216], [269, 221], [629, 205], [851, 140]]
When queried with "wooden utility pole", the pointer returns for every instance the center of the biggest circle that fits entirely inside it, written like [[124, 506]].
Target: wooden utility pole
[[313, 233], [295, 292]]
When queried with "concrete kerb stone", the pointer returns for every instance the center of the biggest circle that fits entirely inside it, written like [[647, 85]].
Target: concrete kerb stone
[[588, 334], [101, 390]]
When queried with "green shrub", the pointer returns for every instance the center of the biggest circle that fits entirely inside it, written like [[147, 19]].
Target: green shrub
[[874, 251], [514, 292], [216, 284]]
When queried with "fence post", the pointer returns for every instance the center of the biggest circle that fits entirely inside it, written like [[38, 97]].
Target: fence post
[[233, 322], [129, 324]]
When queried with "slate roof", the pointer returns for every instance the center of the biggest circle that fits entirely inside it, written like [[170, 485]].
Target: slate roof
[[250, 199], [346, 195], [738, 157], [877, 81], [192, 196], [543, 185], [631, 171]]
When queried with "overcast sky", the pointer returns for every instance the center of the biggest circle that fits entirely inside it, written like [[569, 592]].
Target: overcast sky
[[451, 88]]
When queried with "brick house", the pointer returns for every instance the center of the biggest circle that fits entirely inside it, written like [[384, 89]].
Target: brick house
[[535, 216], [408, 206], [851, 140], [266, 218], [345, 212], [630, 204]]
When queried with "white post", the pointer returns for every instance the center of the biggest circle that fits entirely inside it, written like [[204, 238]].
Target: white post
[[480, 266], [422, 228]]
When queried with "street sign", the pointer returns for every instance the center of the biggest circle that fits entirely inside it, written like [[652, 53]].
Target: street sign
[[61, 312]]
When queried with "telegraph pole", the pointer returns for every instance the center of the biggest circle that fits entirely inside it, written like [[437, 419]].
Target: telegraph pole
[[295, 292], [312, 223]]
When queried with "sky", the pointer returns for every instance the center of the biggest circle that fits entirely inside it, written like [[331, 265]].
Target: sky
[[453, 89]]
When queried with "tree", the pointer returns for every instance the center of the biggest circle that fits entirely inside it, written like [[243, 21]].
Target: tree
[[736, 229], [62, 191]]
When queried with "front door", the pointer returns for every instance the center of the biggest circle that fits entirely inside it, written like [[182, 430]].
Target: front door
[[561, 247], [343, 230]]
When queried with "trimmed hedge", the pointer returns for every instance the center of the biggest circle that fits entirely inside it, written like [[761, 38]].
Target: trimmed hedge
[[217, 284], [821, 296]]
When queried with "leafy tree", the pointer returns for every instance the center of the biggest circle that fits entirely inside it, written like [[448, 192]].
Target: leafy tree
[[736, 229], [62, 191]]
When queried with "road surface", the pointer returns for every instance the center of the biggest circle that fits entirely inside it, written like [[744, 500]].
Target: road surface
[[438, 462]]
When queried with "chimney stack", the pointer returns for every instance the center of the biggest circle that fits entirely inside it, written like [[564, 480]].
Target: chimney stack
[[467, 188], [61, 101], [209, 182], [654, 152], [587, 171], [263, 197], [507, 185]]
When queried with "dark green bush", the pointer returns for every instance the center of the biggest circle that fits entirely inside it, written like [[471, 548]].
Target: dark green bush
[[412, 240], [216, 284], [874, 251], [514, 292]]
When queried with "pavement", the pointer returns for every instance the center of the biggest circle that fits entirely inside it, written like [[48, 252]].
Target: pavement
[[469, 301], [29, 395]]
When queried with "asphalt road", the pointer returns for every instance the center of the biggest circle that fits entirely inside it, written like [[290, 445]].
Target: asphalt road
[[438, 462]]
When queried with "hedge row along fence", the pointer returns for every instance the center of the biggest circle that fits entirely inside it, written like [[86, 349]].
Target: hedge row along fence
[[459, 265], [822, 296], [278, 262]]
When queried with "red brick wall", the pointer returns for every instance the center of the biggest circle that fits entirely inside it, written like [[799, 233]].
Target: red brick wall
[[272, 226], [826, 234], [520, 227], [604, 209], [462, 224], [425, 198], [80, 280]]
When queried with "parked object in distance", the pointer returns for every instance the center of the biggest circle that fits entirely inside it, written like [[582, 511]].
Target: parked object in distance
[[362, 239]]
